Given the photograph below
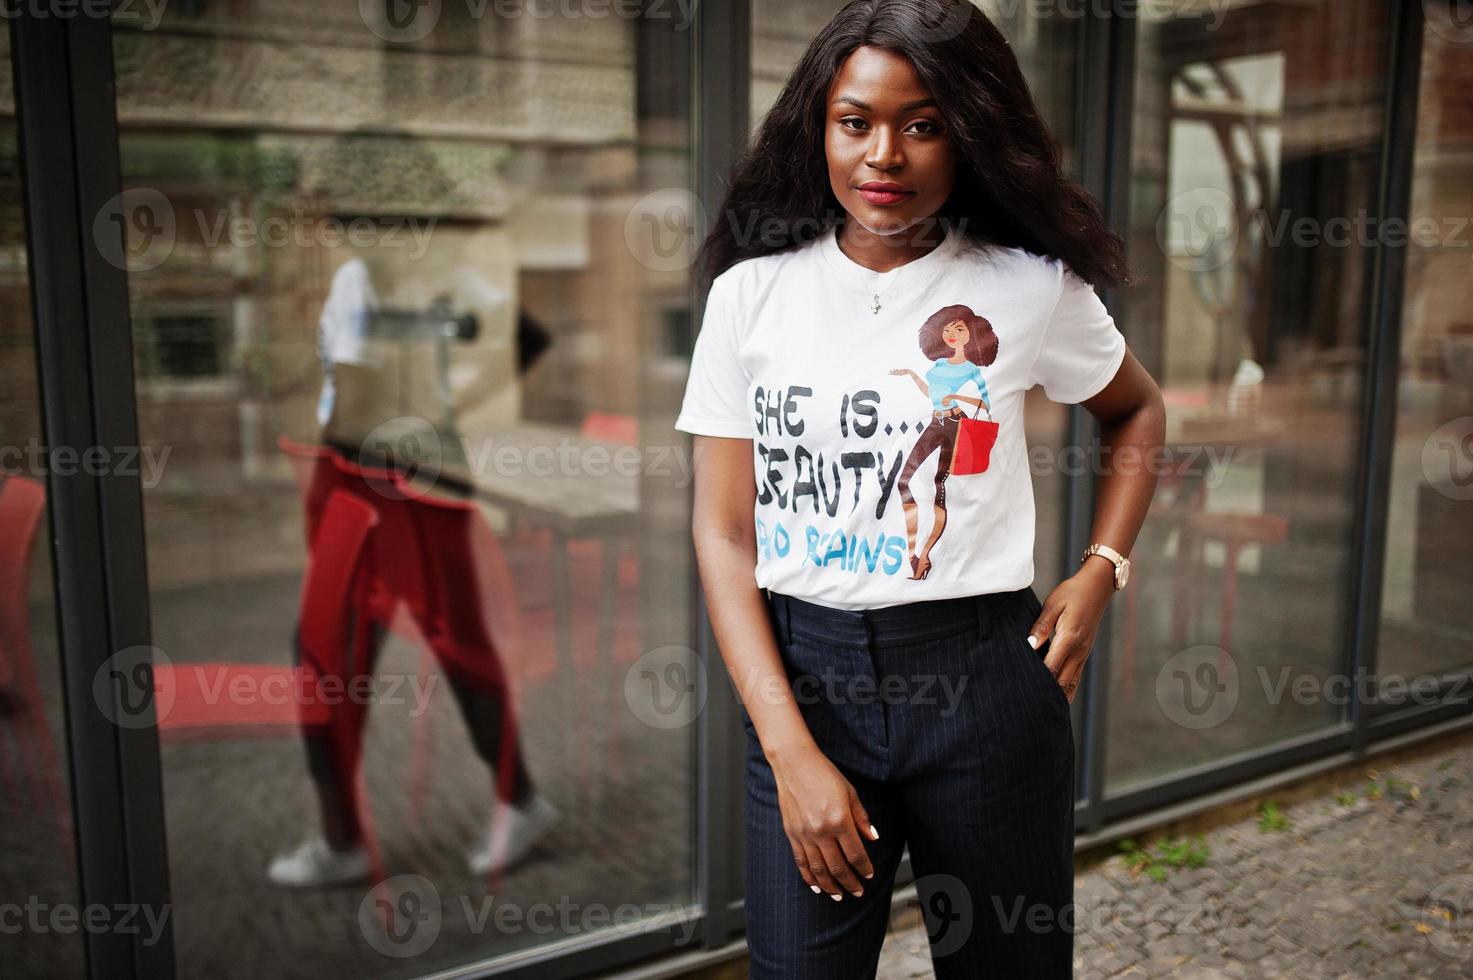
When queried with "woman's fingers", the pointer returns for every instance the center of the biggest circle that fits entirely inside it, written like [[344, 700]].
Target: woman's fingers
[[866, 830], [835, 855], [1043, 626], [856, 855], [800, 858], [861, 817], [818, 863]]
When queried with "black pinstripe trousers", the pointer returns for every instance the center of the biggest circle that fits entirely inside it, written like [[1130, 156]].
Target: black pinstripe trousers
[[959, 743]]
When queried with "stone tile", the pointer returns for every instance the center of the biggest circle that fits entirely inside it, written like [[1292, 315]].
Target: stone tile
[[1340, 895]]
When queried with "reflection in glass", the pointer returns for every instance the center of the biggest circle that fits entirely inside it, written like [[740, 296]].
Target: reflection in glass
[[419, 536], [38, 875], [1255, 144], [1427, 621]]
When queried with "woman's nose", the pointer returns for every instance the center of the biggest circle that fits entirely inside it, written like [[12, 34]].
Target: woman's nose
[[884, 151]]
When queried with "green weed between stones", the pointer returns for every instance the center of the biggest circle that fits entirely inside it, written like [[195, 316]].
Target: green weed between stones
[[1171, 852]]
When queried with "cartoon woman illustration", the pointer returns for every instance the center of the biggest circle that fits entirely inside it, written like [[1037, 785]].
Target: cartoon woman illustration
[[958, 343]]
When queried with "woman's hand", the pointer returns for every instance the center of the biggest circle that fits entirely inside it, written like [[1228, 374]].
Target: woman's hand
[[823, 819], [1071, 615]]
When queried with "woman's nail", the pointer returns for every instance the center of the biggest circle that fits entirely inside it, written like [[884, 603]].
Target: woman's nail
[[816, 890], [873, 833], [858, 893], [1032, 641], [837, 898], [870, 875]]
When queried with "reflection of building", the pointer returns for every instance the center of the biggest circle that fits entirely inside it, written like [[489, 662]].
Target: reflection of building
[[1330, 380]]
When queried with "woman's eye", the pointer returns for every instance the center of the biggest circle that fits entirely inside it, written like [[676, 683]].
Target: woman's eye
[[926, 126]]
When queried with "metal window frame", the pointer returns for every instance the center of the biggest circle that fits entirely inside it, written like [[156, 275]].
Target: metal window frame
[[1105, 89], [721, 86], [63, 76]]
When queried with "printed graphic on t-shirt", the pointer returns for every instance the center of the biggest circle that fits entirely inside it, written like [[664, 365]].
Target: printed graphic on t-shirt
[[957, 344]]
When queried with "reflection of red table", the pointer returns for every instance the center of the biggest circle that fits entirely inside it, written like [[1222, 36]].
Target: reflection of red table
[[1198, 444], [523, 475], [522, 472]]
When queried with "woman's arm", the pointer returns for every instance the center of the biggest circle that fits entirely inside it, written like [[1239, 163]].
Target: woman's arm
[[1132, 421], [920, 383], [821, 811], [968, 399]]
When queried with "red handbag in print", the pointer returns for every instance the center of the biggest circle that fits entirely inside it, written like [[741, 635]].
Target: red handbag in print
[[974, 441]]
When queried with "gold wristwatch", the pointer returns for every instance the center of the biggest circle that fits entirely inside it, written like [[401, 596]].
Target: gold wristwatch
[[1121, 563]]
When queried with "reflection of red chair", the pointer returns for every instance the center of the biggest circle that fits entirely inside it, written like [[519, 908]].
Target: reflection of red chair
[[1235, 531], [395, 568], [195, 699], [22, 502], [1174, 510], [316, 477], [611, 427], [466, 574], [318, 471], [430, 557]]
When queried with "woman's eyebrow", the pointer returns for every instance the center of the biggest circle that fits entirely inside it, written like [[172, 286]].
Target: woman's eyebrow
[[859, 104]]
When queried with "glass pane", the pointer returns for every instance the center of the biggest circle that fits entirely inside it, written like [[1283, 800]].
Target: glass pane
[[400, 269], [1426, 619], [38, 876], [1254, 148]]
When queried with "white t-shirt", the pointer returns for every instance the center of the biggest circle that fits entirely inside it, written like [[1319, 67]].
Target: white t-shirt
[[342, 328], [793, 356]]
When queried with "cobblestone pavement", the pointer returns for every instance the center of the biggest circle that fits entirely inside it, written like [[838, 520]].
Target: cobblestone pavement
[[1366, 880]]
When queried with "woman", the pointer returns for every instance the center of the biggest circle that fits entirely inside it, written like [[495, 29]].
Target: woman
[[902, 170], [956, 341]]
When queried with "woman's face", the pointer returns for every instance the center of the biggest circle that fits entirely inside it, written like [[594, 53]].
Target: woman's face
[[955, 335], [883, 130]]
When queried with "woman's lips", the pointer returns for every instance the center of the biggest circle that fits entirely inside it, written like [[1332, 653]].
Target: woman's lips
[[883, 197]]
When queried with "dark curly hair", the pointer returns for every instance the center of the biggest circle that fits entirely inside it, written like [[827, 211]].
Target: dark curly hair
[[981, 348], [1009, 190]]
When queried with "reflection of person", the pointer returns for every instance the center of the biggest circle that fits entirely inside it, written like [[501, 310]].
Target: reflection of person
[[902, 118], [430, 564], [956, 341], [342, 330]]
